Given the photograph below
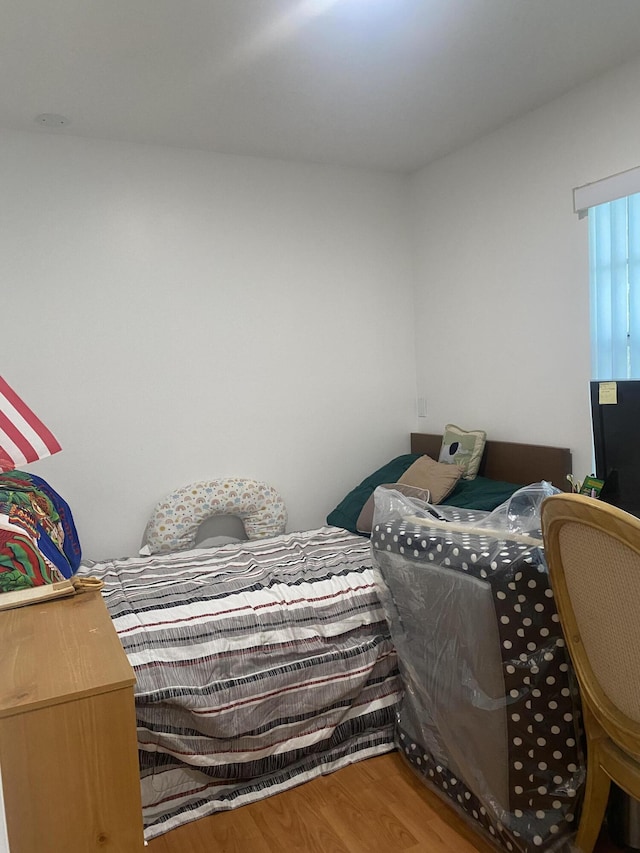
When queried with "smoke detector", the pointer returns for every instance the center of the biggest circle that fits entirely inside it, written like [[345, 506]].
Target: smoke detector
[[52, 120]]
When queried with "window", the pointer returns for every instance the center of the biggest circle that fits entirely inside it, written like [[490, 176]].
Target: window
[[614, 269]]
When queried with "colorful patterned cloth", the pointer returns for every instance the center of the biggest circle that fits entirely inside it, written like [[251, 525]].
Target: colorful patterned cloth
[[38, 539]]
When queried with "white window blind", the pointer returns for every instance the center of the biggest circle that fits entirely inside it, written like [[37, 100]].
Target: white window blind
[[606, 189], [614, 270]]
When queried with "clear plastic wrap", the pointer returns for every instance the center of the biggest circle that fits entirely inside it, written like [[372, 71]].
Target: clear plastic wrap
[[490, 714]]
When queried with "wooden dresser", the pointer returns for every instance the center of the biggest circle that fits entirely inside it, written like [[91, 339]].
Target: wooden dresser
[[68, 748]]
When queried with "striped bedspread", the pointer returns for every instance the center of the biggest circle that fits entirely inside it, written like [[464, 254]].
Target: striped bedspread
[[259, 666]]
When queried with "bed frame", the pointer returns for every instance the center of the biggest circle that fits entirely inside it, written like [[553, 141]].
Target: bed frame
[[510, 461]]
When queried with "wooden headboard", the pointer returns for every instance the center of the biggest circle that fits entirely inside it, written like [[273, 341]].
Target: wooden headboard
[[509, 461]]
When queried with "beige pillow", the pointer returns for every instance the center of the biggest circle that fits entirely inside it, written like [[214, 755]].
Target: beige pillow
[[364, 524], [438, 477], [463, 448]]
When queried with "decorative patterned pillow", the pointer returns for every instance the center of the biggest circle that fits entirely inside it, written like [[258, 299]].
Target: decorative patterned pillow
[[438, 479], [463, 448]]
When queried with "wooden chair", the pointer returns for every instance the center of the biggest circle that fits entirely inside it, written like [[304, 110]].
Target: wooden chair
[[593, 553]]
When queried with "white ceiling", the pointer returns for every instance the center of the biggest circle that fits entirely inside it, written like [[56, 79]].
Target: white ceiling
[[386, 84]]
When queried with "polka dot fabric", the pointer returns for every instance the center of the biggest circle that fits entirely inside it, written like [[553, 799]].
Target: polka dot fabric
[[546, 765]]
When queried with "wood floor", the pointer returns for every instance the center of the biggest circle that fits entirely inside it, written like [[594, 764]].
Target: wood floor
[[374, 806]]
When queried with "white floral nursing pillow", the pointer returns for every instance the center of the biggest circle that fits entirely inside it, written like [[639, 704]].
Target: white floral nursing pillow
[[175, 521]]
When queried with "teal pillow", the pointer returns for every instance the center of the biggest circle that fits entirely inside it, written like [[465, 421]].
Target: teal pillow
[[348, 510], [480, 493]]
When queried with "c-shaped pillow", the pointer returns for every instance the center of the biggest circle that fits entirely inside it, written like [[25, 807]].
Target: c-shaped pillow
[[175, 520]]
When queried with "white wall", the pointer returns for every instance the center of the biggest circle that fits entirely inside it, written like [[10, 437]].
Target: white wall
[[177, 315], [502, 319]]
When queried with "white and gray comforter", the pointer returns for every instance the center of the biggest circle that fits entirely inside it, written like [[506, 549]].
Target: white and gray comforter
[[258, 666]]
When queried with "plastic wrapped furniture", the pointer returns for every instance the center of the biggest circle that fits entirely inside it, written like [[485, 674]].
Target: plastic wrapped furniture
[[490, 714]]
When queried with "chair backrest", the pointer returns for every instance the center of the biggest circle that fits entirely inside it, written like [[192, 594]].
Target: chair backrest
[[593, 554]]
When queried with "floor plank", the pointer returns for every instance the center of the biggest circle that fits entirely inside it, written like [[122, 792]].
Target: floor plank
[[295, 826], [374, 806]]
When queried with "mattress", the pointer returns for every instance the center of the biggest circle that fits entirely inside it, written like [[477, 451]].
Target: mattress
[[258, 666], [490, 717]]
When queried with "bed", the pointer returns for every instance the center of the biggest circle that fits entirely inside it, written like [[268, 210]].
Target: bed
[[513, 462], [263, 664], [259, 666]]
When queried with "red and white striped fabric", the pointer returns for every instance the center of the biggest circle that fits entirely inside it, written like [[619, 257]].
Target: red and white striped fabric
[[23, 436]]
